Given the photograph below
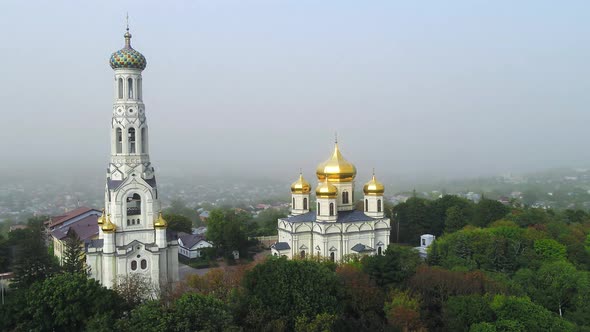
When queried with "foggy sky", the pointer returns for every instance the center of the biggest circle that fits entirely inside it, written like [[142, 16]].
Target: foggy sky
[[258, 88]]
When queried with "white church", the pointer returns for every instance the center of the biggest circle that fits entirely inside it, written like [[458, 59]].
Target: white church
[[334, 229], [132, 233]]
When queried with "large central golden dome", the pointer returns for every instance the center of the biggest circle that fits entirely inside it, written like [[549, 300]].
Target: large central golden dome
[[337, 169]]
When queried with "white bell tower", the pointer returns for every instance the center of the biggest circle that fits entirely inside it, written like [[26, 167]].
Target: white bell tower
[[133, 232]]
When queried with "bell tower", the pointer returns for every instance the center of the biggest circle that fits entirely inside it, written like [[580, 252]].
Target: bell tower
[[133, 236]]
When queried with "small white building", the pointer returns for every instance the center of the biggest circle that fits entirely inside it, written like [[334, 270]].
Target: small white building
[[425, 242], [191, 245]]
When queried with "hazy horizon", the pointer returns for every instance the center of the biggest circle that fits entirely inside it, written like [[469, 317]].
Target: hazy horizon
[[257, 89]]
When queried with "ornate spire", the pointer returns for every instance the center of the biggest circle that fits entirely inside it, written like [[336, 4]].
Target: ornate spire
[[127, 34]]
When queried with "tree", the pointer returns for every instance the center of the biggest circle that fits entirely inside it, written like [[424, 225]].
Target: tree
[[33, 262], [278, 291], [227, 230], [135, 289], [66, 302], [5, 256], [488, 211], [396, 265], [549, 249], [529, 315], [196, 312], [267, 221], [415, 218], [179, 223], [74, 258], [460, 312], [556, 285], [150, 316], [362, 300], [403, 311], [455, 219]]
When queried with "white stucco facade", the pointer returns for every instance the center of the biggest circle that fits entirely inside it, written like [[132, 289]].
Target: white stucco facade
[[333, 229], [130, 238]]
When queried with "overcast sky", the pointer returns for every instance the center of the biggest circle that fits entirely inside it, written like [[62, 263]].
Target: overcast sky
[[444, 88]]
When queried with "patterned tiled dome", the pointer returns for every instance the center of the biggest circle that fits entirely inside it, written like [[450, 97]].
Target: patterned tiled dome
[[127, 57]]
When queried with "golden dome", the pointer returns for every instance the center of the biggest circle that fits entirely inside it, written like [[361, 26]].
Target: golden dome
[[374, 187], [337, 169], [160, 222], [326, 190], [108, 226], [101, 219], [300, 186]]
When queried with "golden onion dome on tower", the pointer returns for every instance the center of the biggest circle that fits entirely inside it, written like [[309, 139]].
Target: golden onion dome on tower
[[108, 226], [326, 190], [336, 169], [301, 186], [160, 222], [100, 219], [374, 187]]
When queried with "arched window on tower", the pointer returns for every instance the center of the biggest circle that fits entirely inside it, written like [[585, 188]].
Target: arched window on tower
[[378, 205], [379, 251], [319, 211], [119, 140], [331, 209], [133, 206], [293, 202], [332, 256], [139, 87], [143, 148], [120, 88], [131, 137], [366, 205], [345, 197], [305, 203], [130, 88]]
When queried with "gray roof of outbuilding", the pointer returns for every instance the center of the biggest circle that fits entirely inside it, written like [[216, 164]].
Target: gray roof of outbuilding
[[343, 217], [85, 228], [189, 240], [281, 246], [359, 247]]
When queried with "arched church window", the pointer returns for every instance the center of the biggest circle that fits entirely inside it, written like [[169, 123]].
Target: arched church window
[[130, 88], [132, 221], [128, 222], [293, 202], [305, 203], [302, 254], [319, 211], [143, 148], [120, 88], [133, 206], [366, 205], [133, 265], [379, 251], [143, 264], [119, 140], [139, 87], [131, 136], [331, 209], [332, 256], [378, 205], [345, 197]]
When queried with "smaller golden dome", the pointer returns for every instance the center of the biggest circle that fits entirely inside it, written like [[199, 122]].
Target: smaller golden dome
[[160, 222], [101, 219], [326, 190], [108, 226], [374, 187], [300, 186]]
